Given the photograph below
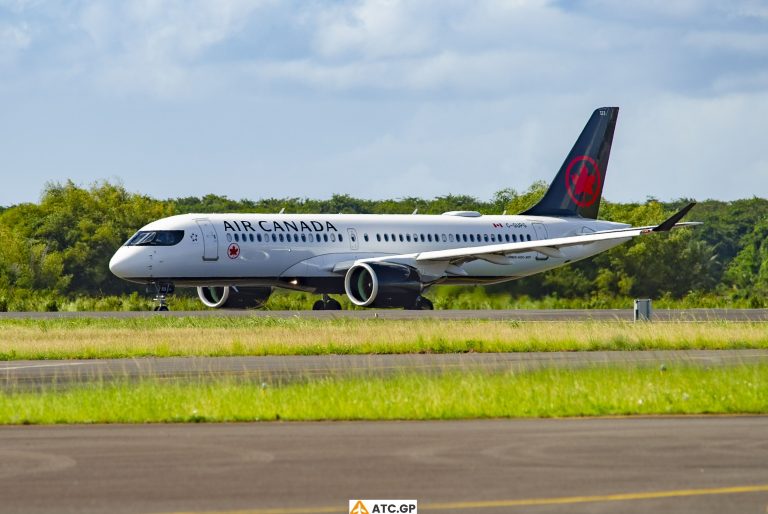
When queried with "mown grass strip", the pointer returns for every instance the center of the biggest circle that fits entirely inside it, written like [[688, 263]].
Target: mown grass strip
[[168, 337], [546, 393]]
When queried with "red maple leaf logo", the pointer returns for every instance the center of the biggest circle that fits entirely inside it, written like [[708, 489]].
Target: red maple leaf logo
[[233, 251], [582, 180]]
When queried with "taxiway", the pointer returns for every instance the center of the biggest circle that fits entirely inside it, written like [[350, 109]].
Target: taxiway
[[678, 464]]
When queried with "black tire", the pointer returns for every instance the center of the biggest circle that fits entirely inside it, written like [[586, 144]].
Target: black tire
[[163, 308], [423, 304], [332, 305], [318, 306]]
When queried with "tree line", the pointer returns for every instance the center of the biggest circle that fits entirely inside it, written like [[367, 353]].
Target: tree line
[[61, 245]]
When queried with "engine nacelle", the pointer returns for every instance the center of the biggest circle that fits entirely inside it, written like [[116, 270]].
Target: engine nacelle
[[218, 297], [382, 285]]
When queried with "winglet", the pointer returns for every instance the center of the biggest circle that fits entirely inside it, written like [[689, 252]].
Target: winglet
[[668, 224]]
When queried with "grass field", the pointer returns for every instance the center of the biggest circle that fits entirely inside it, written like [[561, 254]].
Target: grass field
[[548, 393], [86, 338]]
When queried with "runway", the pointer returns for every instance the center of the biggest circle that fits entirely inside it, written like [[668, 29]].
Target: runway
[[703, 465], [285, 368], [398, 314]]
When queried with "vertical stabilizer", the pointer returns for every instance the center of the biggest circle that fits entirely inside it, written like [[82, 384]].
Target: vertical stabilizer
[[578, 186]]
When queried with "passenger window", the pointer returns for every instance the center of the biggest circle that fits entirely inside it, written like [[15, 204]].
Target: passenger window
[[250, 237], [274, 238], [445, 238], [311, 238], [408, 237], [378, 237], [485, 237], [237, 238], [229, 237], [400, 236], [393, 238], [386, 238], [506, 236], [472, 237], [464, 237], [450, 237], [342, 239], [422, 237], [333, 238], [429, 237], [325, 237], [244, 238], [303, 238], [258, 238], [529, 237], [365, 236]]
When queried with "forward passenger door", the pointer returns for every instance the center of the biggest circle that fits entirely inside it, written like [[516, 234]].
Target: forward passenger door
[[210, 240]]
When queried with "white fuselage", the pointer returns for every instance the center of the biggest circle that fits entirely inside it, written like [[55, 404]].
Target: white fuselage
[[306, 252]]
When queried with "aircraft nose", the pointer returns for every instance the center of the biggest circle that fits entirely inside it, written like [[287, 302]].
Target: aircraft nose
[[118, 264]]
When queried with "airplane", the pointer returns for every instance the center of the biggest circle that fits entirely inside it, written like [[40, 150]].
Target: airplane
[[381, 260]]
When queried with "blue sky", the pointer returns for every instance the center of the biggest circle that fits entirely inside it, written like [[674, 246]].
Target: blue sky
[[380, 98]]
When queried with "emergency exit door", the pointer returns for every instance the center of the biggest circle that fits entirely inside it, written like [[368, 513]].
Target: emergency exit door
[[541, 234]]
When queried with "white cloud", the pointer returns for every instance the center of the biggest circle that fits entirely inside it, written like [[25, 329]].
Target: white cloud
[[733, 41], [13, 40], [373, 29]]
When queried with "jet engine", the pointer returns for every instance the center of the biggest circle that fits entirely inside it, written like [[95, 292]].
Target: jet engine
[[383, 285], [218, 297]]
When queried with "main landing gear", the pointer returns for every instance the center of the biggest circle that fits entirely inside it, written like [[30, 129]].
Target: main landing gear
[[420, 304], [326, 304], [162, 291]]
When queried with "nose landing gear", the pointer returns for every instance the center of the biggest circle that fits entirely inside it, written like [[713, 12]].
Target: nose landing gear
[[162, 291]]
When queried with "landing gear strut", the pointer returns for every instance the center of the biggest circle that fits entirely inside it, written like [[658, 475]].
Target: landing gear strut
[[326, 304], [162, 291]]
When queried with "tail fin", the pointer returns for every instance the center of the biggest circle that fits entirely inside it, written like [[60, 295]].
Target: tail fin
[[578, 186]]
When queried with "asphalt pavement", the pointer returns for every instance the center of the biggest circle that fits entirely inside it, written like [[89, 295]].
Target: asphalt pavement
[[629, 465], [298, 367]]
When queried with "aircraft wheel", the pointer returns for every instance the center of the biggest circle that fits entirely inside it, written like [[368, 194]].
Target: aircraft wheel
[[332, 305], [162, 308], [318, 306], [423, 304]]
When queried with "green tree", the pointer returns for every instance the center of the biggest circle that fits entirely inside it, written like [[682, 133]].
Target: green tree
[[747, 274]]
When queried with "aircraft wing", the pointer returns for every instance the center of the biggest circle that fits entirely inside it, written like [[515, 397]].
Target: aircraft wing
[[496, 253]]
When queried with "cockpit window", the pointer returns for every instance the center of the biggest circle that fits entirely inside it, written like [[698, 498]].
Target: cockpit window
[[156, 238]]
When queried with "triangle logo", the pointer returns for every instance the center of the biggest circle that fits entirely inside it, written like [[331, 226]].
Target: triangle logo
[[359, 508]]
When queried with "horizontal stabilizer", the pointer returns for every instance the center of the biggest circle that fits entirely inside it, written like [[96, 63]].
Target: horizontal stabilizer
[[669, 224]]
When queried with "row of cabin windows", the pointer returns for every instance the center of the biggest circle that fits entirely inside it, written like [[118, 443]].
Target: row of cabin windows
[[451, 238], [415, 238], [285, 238]]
